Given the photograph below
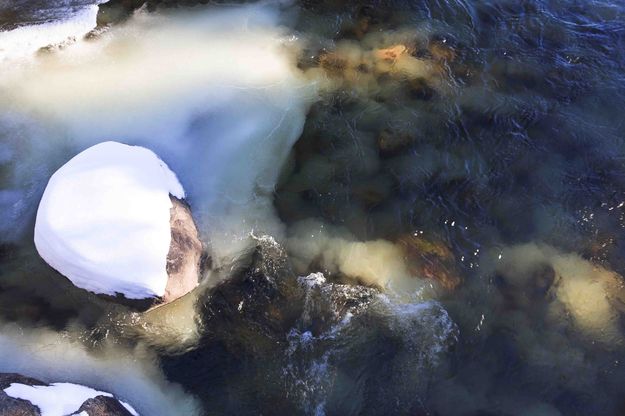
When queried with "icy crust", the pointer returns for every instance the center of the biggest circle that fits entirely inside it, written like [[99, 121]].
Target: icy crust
[[58, 399], [104, 220]]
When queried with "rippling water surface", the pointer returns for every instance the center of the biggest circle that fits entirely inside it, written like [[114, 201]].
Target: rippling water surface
[[410, 208]]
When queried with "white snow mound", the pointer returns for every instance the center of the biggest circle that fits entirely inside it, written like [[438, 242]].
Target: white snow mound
[[104, 220]]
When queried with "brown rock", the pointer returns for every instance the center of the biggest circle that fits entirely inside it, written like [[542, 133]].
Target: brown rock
[[116, 11], [185, 252], [431, 259], [391, 54], [332, 63], [103, 406], [6, 379], [183, 260]]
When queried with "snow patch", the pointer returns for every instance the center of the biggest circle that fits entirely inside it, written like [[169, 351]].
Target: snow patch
[[26, 40], [57, 399], [104, 220], [130, 374]]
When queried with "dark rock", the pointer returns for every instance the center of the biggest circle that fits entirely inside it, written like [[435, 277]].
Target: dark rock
[[16, 407], [391, 143], [103, 406], [431, 259], [116, 11], [282, 344], [10, 406], [54, 47], [6, 379], [420, 90]]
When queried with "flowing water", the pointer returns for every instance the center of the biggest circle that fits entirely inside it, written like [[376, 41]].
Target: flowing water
[[412, 208]]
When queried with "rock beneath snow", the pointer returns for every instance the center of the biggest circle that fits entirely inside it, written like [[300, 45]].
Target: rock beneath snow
[[185, 252], [114, 222], [103, 406], [10, 406], [25, 396]]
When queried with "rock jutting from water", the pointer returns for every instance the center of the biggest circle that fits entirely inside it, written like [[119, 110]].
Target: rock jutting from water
[[114, 222], [25, 396], [312, 341]]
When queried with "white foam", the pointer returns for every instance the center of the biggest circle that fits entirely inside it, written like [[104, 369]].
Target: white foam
[[104, 220], [57, 399]]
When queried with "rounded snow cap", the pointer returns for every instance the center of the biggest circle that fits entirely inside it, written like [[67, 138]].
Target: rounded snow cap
[[104, 220]]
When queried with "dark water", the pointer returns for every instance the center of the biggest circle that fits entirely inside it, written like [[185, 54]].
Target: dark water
[[499, 171]]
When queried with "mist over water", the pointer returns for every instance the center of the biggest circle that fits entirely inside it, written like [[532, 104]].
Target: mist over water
[[215, 94], [407, 208]]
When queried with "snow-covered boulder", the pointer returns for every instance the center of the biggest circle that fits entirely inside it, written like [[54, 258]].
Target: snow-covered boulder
[[25, 396], [112, 220]]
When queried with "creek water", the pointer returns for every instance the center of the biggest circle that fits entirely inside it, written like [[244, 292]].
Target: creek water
[[410, 208]]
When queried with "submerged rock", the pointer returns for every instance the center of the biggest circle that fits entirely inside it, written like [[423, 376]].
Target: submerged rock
[[113, 221], [25, 396], [431, 259]]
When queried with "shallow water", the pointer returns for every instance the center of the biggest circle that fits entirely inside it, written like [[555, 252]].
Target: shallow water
[[443, 184]]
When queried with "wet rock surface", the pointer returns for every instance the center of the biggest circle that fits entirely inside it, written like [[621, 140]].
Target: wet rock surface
[[285, 344], [431, 259], [185, 252], [103, 406], [117, 11]]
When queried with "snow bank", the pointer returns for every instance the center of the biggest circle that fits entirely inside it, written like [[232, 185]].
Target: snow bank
[[58, 399], [104, 220]]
